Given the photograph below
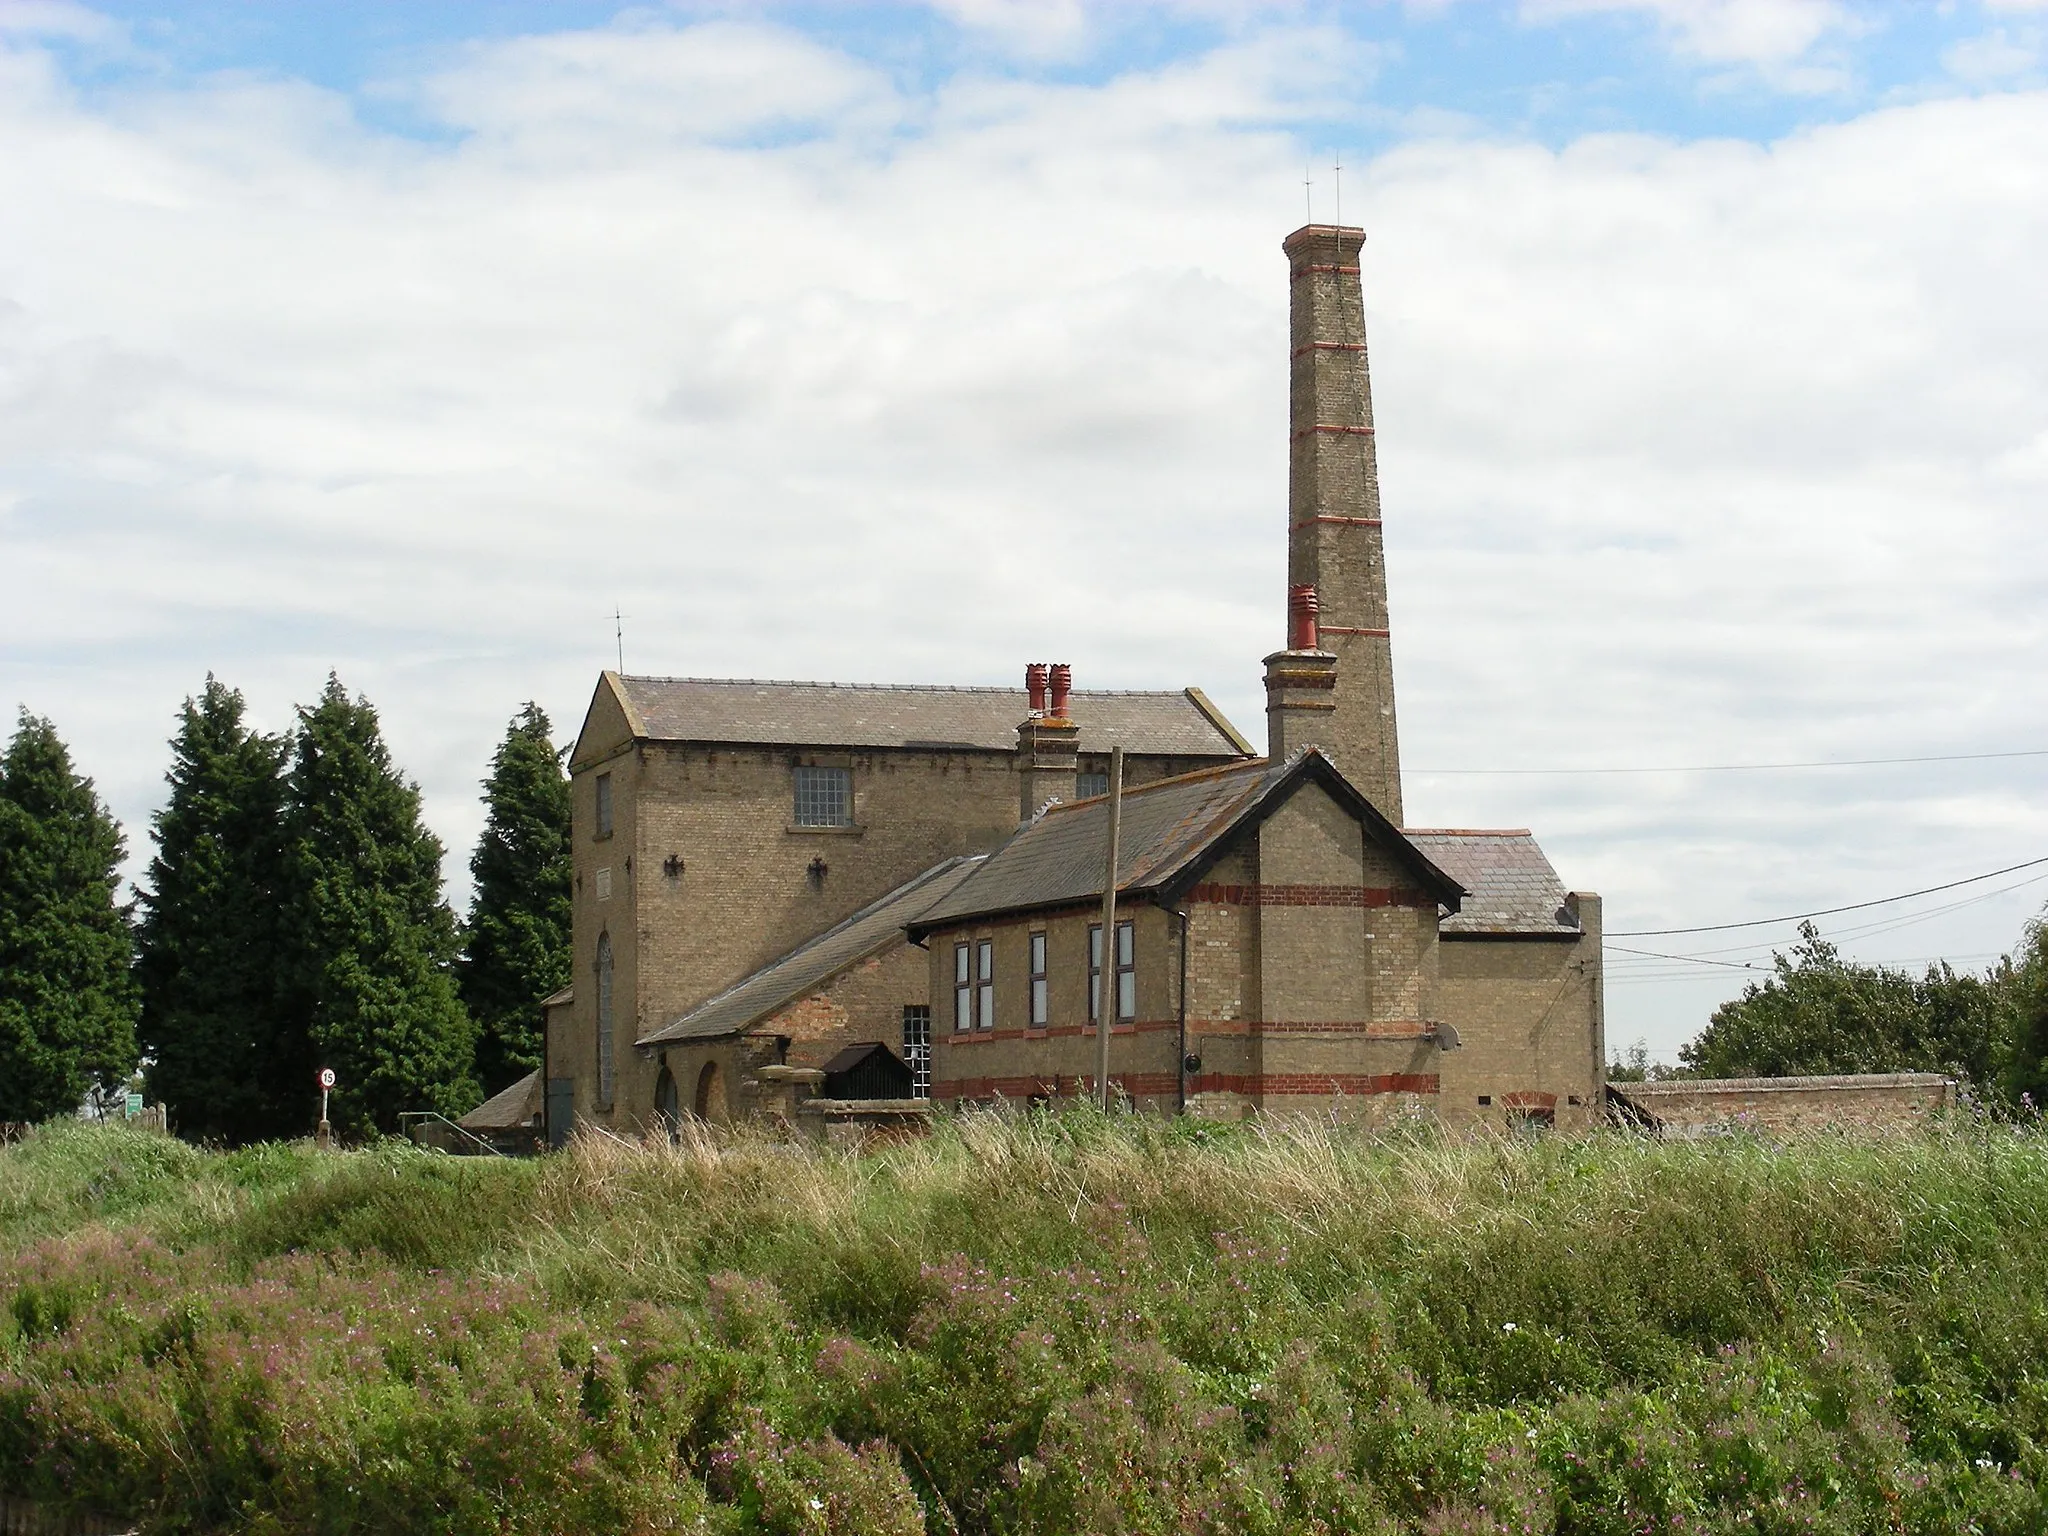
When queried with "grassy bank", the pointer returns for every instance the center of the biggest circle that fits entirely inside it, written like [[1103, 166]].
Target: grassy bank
[[1047, 1327]]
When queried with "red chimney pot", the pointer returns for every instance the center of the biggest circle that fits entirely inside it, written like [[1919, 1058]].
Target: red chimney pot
[[1034, 686], [1062, 677], [1302, 610]]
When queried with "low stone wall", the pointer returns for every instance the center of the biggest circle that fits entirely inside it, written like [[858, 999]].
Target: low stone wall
[[1881, 1103], [856, 1123]]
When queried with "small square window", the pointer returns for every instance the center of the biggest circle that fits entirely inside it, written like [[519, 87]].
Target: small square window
[[604, 805], [1486, 1098], [1088, 785], [824, 797]]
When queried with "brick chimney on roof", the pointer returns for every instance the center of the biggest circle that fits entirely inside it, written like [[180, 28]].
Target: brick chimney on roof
[[1048, 743], [1333, 513]]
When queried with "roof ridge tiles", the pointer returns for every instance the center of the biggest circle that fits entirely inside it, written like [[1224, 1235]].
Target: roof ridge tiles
[[1466, 832], [989, 688]]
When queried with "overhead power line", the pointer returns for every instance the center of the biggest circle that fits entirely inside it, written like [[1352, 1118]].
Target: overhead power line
[[1852, 762], [1854, 906]]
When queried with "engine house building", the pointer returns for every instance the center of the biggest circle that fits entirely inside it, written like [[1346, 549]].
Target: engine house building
[[775, 879]]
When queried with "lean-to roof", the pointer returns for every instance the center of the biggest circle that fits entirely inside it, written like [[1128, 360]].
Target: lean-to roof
[[870, 931], [513, 1109], [1512, 891]]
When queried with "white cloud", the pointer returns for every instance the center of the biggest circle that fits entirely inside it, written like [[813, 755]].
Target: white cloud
[[1777, 37], [1995, 57], [1693, 454]]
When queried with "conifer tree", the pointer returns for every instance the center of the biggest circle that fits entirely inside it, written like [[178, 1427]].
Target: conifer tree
[[67, 988], [209, 936], [370, 982], [518, 940]]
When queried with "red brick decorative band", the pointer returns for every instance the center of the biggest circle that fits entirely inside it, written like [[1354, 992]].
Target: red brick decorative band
[[1301, 272], [1343, 629], [1364, 1029], [1328, 346], [1310, 896], [952, 1039], [1334, 429], [1322, 1085], [1342, 522]]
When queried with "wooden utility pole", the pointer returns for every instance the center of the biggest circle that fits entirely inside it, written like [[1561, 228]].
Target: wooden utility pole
[[1105, 991]]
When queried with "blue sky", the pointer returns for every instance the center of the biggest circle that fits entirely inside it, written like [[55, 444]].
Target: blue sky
[[1712, 379], [1552, 73]]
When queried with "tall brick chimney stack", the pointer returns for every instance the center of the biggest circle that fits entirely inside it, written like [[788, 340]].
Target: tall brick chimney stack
[[1048, 743], [1333, 506]]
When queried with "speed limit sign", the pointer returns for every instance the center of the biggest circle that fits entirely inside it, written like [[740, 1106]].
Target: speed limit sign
[[327, 1077]]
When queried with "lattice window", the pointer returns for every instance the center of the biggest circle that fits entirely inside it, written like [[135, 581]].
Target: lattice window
[[824, 797], [917, 1048]]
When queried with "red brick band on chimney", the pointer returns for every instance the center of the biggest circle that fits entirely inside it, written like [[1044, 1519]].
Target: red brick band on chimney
[[1328, 346], [1335, 429], [1341, 522], [1344, 629], [1301, 272]]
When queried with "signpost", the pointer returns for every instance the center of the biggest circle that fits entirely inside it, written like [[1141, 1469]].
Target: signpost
[[324, 1136]]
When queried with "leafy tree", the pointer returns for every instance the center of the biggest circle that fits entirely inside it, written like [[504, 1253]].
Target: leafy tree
[[210, 940], [518, 940], [2027, 1066], [67, 988], [370, 988], [1822, 1014]]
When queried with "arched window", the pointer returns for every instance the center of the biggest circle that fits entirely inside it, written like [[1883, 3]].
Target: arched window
[[667, 1102], [711, 1094], [604, 1021]]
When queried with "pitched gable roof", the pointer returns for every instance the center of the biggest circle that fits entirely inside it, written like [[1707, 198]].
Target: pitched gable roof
[[1514, 892], [1171, 831], [870, 931], [741, 711]]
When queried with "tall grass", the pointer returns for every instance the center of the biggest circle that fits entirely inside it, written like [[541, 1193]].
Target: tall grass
[[1034, 1325]]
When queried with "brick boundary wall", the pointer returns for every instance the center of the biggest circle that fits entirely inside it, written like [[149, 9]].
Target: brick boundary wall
[[1876, 1102]]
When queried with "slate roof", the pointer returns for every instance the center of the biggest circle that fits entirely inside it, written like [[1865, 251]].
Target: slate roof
[[514, 1109], [873, 929], [1176, 724], [1172, 829], [1513, 891]]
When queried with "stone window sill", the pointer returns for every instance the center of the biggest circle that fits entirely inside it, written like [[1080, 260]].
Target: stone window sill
[[796, 829]]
